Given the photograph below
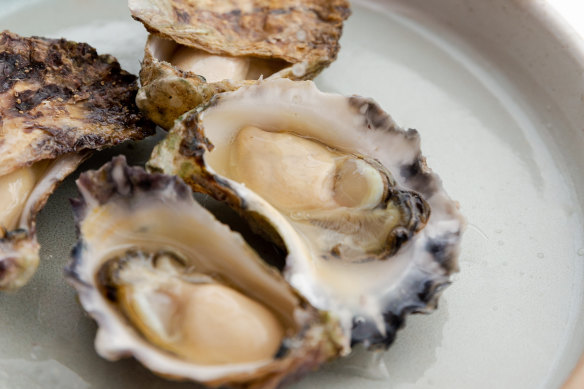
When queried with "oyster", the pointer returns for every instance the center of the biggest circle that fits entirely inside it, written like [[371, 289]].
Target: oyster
[[57, 100], [187, 297], [369, 231], [199, 48]]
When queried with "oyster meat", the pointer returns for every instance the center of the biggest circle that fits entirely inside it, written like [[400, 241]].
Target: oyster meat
[[183, 294], [369, 231], [199, 48], [58, 99]]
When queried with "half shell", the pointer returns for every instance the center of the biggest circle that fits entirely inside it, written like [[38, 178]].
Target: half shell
[[58, 99], [171, 286], [370, 233]]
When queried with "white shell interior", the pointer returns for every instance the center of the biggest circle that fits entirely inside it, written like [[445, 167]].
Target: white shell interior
[[350, 290], [495, 88], [163, 221]]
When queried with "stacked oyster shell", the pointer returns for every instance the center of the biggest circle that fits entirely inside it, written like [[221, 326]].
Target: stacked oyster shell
[[369, 233], [199, 48]]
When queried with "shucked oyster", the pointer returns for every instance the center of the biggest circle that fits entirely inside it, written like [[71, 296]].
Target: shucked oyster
[[187, 297], [200, 47], [57, 99], [370, 234]]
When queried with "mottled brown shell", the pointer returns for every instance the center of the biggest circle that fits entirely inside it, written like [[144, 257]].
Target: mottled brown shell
[[58, 97], [293, 30]]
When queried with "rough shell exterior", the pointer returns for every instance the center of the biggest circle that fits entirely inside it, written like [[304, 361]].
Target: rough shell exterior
[[293, 30], [436, 248], [58, 97], [57, 100], [116, 183]]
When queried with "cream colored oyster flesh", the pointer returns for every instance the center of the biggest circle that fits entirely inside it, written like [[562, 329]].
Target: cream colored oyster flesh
[[323, 179], [14, 190], [22, 194], [369, 231]]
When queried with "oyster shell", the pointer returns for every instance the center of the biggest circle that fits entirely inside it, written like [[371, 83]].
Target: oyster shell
[[202, 47], [369, 231], [57, 100], [171, 286]]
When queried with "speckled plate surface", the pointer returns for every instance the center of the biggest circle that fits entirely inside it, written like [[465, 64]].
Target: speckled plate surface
[[496, 90]]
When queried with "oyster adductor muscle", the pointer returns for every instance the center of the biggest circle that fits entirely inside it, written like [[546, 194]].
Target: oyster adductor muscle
[[370, 233], [182, 293], [201, 47], [58, 99]]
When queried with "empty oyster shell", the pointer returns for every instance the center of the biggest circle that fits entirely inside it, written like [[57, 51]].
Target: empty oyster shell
[[370, 233], [186, 296], [201, 47], [57, 100]]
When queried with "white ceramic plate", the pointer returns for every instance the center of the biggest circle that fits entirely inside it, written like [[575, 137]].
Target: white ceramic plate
[[496, 89]]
